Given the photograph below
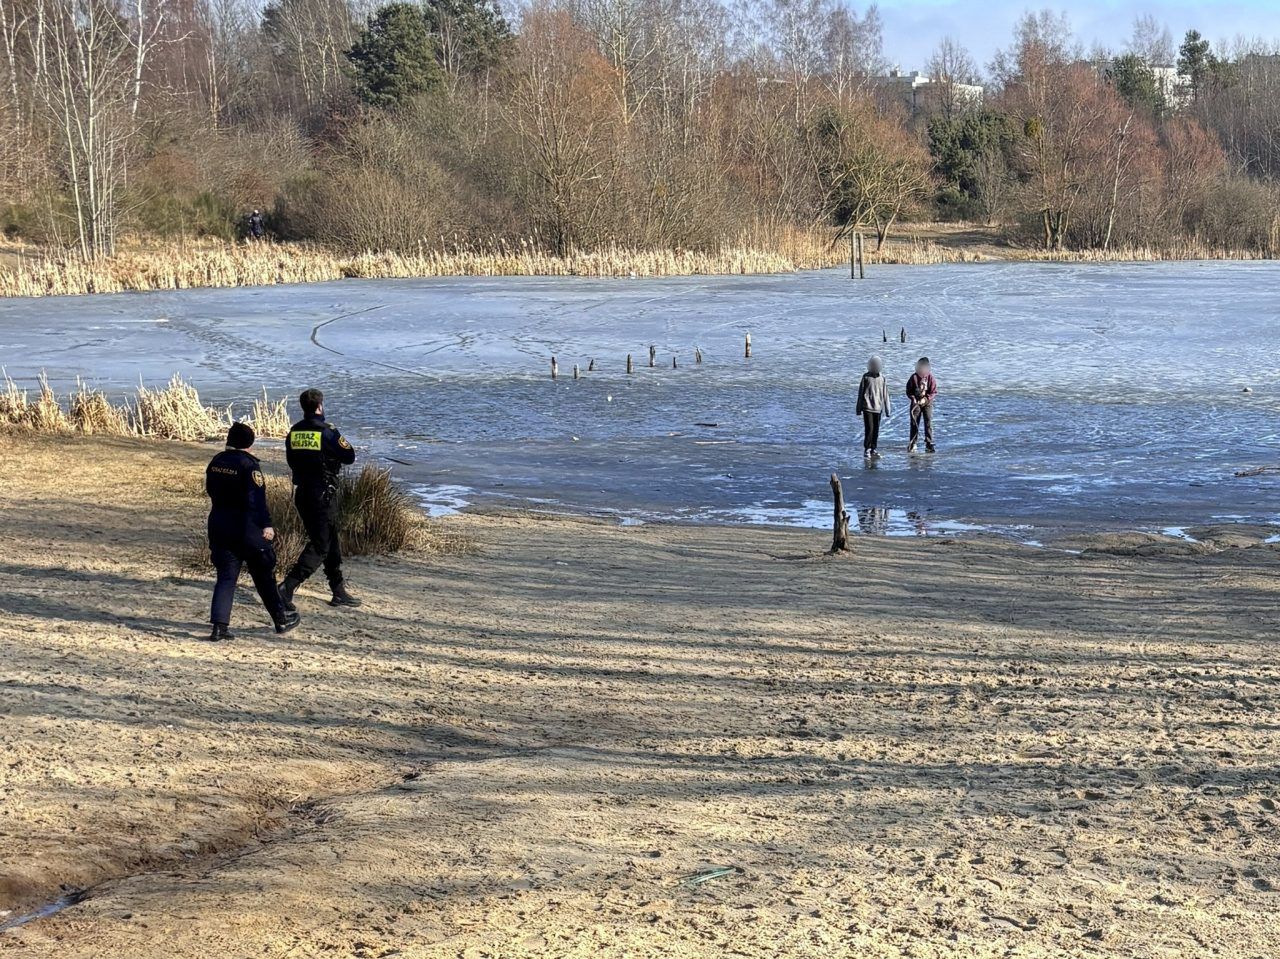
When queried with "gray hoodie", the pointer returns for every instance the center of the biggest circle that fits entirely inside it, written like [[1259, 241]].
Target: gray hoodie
[[873, 394]]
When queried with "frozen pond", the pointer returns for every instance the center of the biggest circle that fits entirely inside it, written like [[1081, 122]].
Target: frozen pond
[[1089, 396]]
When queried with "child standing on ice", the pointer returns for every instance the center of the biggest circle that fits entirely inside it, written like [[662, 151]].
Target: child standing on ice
[[873, 404], [922, 390]]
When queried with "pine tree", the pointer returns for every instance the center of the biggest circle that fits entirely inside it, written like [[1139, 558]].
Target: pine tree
[[394, 58]]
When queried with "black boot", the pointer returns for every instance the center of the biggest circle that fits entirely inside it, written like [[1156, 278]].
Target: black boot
[[289, 622], [220, 634], [342, 598], [287, 589]]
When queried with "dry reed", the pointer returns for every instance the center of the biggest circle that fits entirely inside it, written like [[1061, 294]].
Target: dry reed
[[174, 411], [93, 414], [13, 403], [216, 264], [270, 418], [265, 264]]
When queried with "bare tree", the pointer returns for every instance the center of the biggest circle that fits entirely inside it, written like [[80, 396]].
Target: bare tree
[[852, 51], [1152, 41], [560, 110], [86, 85], [954, 72]]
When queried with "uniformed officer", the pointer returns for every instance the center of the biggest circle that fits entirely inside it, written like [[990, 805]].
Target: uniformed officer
[[240, 532], [317, 452]]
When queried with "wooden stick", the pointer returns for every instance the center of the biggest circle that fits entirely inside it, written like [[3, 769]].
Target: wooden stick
[[748, 346], [575, 371], [630, 367], [1259, 471], [653, 356], [591, 367], [903, 335], [697, 355], [555, 368], [673, 363], [840, 521]]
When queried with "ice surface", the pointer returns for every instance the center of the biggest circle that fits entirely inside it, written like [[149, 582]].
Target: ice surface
[[1073, 396]]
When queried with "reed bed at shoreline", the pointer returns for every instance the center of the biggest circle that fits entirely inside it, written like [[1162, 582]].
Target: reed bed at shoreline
[[174, 411], [220, 265], [915, 252], [211, 265]]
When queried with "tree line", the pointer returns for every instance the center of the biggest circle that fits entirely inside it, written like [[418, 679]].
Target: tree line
[[574, 124]]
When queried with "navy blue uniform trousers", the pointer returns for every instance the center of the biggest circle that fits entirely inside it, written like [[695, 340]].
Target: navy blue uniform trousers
[[229, 558]]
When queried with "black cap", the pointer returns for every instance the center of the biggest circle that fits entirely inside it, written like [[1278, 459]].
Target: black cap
[[240, 436]]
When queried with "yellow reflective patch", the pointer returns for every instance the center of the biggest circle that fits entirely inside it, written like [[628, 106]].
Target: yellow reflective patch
[[304, 440], [257, 478]]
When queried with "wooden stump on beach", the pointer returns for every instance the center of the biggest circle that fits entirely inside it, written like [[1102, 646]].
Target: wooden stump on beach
[[840, 523]]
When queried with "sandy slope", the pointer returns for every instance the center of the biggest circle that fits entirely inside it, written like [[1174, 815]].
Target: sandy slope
[[930, 749]]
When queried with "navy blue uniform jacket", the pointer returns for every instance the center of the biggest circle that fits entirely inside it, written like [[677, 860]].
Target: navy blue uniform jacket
[[235, 484]]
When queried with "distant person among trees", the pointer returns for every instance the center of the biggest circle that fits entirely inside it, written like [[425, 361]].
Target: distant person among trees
[[257, 226], [922, 390], [873, 404]]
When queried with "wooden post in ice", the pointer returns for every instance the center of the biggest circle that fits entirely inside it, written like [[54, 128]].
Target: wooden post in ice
[[748, 346], [697, 355], [903, 335], [840, 522], [857, 248], [673, 363], [653, 356], [591, 367], [575, 371], [630, 367], [555, 369]]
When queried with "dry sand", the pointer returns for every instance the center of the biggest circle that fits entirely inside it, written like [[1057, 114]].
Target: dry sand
[[960, 749]]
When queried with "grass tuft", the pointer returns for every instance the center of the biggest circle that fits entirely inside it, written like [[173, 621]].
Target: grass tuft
[[91, 413], [376, 518], [270, 418], [175, 412]]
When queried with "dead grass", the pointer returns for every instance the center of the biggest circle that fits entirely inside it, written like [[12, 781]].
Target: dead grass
[[270, 418], [216, 264], [174, 411], [377, 518], [93, 414], [265, 264]]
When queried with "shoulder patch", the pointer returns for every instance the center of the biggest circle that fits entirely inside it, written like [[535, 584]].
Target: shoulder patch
[[257, 478], [342, 441]]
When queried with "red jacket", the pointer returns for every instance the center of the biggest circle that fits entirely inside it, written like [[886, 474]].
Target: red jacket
[[916, 384]]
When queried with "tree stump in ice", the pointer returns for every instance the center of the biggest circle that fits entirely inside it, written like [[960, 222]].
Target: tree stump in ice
[[840, 522]]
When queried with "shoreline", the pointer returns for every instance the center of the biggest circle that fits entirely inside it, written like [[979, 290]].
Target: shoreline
[[203, 264], [533, 747]]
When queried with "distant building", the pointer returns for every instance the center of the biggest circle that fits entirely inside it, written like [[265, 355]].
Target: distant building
[[1175, 87], [924, 96]]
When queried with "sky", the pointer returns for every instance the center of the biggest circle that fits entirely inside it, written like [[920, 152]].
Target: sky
[[912, 28]]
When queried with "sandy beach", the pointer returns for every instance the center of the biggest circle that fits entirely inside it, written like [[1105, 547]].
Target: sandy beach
[[579, 739]]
